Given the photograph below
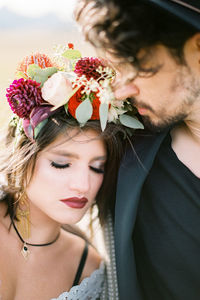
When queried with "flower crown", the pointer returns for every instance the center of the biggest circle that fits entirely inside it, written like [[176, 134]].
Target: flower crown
[[81, 85]]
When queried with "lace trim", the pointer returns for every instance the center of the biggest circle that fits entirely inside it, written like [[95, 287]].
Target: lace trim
[[112, 283], [90, 288]]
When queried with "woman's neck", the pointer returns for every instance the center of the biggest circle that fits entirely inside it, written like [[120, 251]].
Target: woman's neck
[[43, 229]]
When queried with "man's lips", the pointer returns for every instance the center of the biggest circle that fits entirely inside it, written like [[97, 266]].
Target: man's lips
[[141, 110], [75, 202]]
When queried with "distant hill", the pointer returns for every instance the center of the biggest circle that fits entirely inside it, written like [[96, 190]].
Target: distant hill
[[9, 20]]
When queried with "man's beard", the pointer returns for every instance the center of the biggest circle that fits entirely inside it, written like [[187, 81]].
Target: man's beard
[[163, 124]]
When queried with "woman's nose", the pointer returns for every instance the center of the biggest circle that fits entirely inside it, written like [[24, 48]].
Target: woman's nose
[[80, 182], [129, 90]]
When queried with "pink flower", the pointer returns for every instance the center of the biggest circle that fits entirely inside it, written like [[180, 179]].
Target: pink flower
[[23, 95], [57, 89]]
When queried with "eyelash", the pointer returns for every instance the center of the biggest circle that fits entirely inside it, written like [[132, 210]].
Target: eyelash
[[59, 166], [97, 170]]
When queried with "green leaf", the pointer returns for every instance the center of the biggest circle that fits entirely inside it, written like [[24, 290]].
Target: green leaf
[[72, 54], [84, 111], [66, 108], [40, 75], [39, 127], [103, 112], [131, 122]]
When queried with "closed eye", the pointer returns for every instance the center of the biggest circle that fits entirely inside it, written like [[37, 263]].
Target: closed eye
[[59, 166], [97, 170]]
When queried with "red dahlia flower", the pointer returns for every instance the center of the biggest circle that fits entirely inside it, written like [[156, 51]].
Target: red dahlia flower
[[23, 95], [88, 66]]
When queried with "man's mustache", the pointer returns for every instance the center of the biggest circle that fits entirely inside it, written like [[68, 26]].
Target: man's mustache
[[140, 104]]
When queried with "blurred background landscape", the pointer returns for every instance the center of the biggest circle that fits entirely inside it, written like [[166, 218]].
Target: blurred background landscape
[[33, 26]]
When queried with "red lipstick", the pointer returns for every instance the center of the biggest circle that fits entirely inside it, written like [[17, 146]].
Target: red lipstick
[[75, 202]]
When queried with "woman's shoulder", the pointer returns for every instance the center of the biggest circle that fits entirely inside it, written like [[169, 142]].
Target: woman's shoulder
[[78, 244], [93, 259], [91, 287], [92, 263], [91, 280]]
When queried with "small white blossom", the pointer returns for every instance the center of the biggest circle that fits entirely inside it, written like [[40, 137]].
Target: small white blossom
[[114, 112], [106, 72], [58, 58], [105, 92]]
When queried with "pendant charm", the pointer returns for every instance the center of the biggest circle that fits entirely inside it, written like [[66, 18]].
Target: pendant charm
[[25, 252]]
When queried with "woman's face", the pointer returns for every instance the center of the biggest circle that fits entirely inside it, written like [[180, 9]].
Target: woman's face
[[67, 176]]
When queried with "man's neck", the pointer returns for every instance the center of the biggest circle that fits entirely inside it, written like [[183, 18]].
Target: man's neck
[[186, 145], [193, 129]]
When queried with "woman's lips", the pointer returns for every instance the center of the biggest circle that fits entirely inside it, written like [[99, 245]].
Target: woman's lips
[[75, 202]]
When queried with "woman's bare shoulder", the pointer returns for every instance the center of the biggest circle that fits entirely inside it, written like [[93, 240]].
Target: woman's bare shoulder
[[92, 263], [93, 258]]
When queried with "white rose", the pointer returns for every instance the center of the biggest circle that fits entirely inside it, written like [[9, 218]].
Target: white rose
[[57, 90]]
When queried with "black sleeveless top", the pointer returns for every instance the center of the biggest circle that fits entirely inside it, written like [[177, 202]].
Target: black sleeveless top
[[167, 231]]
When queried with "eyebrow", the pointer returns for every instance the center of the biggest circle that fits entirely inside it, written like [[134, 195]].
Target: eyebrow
[[73, 155]]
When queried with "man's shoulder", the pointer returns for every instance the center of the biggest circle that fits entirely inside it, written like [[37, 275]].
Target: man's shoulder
[[141, 137], [143, 143]]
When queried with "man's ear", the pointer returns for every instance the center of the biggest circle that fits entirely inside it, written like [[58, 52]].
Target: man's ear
[[197, 39], [194, 42], [192, 52]]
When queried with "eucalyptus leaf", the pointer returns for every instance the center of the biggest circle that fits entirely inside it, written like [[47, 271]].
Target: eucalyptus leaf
[[39, 127], [40, 75], [66, 108], [84, 111], [72, 54], [103, 112], [32, 69], [131, 122]]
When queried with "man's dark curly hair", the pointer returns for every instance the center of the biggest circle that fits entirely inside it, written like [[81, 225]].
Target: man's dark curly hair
[[124, 27]]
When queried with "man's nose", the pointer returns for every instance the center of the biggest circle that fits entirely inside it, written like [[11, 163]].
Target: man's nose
[[126, 91]]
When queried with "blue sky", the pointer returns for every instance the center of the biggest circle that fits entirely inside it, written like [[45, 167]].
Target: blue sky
[[38, 9]]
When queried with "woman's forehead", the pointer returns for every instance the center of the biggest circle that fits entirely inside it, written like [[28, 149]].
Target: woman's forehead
[[75, 137]]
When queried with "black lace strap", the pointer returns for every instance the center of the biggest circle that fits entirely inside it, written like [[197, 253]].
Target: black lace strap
[[81, 265]]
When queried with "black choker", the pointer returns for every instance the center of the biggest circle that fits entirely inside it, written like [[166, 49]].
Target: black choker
[[25, 251]]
